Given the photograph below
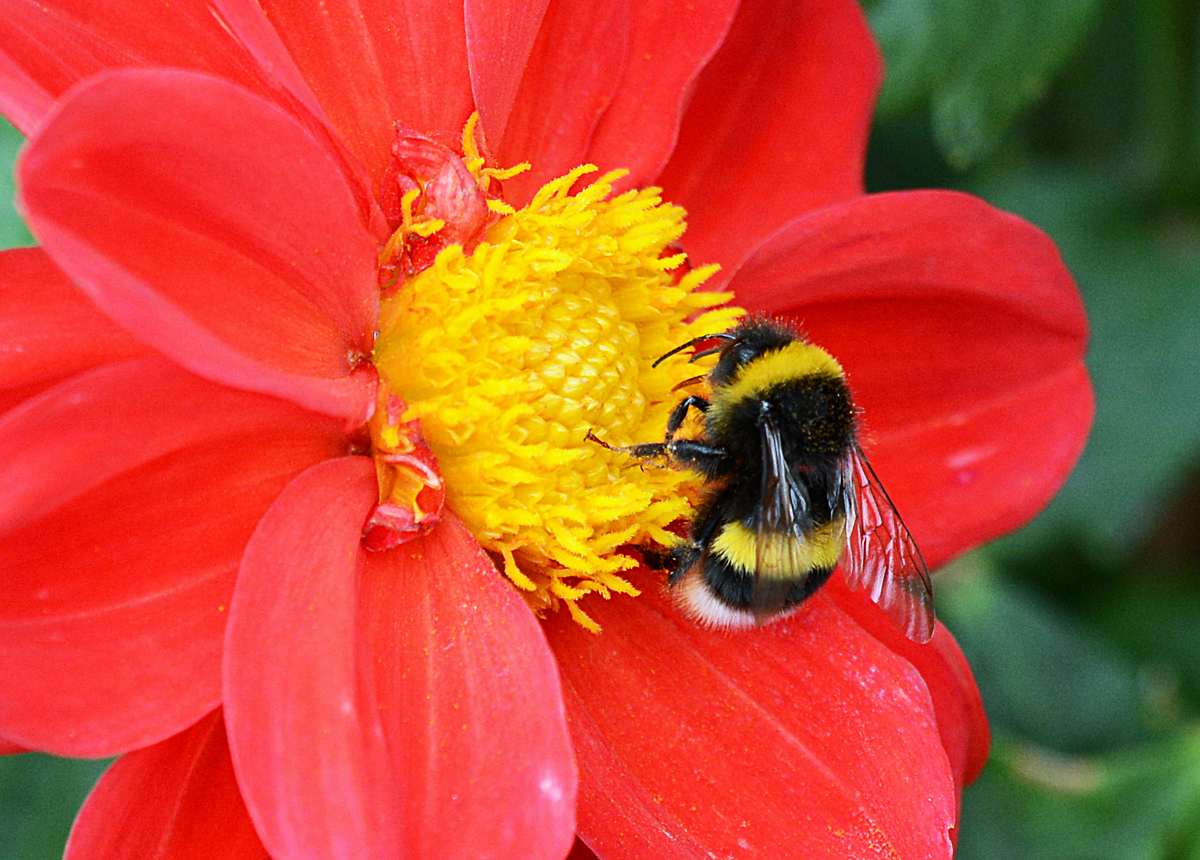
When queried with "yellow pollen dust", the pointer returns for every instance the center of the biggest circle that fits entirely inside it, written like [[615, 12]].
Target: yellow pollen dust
[[508, 357]]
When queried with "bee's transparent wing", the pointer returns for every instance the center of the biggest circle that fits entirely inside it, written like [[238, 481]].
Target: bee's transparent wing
[[881, 556], [780, 533]]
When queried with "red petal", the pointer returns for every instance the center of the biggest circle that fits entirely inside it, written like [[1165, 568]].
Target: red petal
[[129, 494], [994, 472], [388, 704], [303, 742], [500, 36], [579, 851], [215, 228], [961, 719], [572, 75], [463, 670], [50, 331], [375, 62], [176, 800], [49, 46], [23, 99], [954, 322], [670, 41], [807, 738], [98, 425], [778, 126]]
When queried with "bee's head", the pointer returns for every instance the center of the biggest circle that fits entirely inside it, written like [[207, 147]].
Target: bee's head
[[738, 347], [745, 343]]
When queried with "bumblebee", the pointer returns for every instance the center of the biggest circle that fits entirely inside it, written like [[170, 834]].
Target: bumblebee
[[788, 494]]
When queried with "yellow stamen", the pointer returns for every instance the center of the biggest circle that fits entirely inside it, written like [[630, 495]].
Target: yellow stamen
[[410, 225], [474, 161], [548, 330]]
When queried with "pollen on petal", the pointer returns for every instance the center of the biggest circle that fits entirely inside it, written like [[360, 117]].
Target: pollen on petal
[[546, 332]]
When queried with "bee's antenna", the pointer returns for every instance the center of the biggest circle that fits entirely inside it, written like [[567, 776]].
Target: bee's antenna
[[726, 336]]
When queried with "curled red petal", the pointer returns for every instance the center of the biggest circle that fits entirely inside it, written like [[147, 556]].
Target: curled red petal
[[449, 193], [412, 492], [129, 493], [414, 499], [778, 124], [572, 76], [807, 738], [954, 323], [50, 331], [670, 41], [176, 800], [215, 228], [373, 63], [387, 704]]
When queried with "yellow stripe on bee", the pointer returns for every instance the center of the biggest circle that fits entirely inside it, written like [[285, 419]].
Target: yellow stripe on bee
[[794, 361], [784, 557]]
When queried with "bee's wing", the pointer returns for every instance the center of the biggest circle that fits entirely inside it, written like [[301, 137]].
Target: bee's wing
[[780, 533], [881, 555]]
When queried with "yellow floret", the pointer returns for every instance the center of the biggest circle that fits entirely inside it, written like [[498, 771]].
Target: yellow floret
[[549, 330]]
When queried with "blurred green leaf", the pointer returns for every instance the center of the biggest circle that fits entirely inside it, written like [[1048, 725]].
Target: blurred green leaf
[[977, 64], [39, 796], [1157, 620], [1139, 272], [12, 228], [1043, 675], [1138, 804]]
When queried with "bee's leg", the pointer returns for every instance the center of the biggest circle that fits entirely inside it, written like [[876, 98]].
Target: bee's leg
[[653, 450], [709, 518], [685, 556], [700, 456], [644, 451], [679, 413], [657, 558]]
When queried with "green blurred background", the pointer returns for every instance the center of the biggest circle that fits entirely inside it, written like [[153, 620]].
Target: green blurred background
[[1083, 116]]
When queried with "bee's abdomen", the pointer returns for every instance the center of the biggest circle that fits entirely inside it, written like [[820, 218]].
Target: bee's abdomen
[[734, 585], [720, 585], [718, 592], [782, 556]]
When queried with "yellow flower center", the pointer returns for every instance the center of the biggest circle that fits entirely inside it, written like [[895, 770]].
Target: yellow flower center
[[508, 356]]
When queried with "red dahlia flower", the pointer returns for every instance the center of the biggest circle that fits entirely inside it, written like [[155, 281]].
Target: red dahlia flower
[[296, 396]]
